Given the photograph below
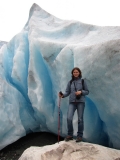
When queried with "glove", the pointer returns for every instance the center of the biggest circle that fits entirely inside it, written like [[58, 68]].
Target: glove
[[61, 93]]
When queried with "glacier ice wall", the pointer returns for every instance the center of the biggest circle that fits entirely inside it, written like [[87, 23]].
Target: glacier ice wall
[[36, 64], [2, 43]]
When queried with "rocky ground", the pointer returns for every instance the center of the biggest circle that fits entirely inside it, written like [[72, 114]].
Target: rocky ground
[[15, 150]]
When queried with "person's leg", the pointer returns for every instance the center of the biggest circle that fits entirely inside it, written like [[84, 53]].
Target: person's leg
[[80, 111], [71, 110]]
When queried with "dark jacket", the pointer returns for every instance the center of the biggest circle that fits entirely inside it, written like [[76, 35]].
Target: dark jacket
[[70, 90]]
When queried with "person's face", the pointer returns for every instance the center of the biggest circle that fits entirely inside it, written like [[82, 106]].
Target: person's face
[[76, 73]]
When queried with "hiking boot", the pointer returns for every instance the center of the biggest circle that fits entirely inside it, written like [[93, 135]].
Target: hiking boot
[[79, 139], [68, 138]]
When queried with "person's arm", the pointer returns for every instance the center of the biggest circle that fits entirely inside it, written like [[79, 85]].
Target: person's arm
[[85, 90], [67, 91]]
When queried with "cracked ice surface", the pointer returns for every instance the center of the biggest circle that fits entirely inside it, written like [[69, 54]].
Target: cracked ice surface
[[36, 64]]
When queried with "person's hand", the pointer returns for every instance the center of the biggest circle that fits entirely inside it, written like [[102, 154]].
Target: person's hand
[[60, 95], [78, 93]]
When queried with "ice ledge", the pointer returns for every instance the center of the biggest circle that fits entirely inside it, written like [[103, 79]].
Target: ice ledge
[[70, 150]]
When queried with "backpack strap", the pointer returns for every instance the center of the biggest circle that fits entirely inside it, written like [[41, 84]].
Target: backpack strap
[[83, 84], [71, 82]]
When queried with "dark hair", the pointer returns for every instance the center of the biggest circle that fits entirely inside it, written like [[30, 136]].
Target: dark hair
[[80, 73]]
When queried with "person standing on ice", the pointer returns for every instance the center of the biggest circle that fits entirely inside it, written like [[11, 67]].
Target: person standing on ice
[[76, 90]]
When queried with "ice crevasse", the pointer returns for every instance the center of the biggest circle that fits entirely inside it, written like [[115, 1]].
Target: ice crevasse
[[36, 64]]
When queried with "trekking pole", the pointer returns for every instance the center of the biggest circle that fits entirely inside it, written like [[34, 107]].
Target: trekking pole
[[59, 119]]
